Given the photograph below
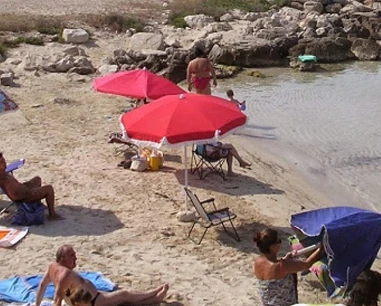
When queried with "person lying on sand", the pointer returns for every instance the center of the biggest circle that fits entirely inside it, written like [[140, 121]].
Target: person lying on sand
[[29, 191], [69, 284]]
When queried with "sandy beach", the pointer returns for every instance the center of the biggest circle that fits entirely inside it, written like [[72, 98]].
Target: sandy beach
[[118, 220]]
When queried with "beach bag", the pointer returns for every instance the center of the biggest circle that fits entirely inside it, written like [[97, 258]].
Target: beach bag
[[29, 214]]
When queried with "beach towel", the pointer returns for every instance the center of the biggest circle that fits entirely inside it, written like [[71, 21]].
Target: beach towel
[[10, 236], [22, 289]]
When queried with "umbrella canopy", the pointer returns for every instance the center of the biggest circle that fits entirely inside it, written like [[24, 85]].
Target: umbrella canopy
[[351, 238], [6, 104], [140, 84], [181, 119]]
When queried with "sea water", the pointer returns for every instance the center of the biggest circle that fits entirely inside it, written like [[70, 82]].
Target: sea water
[[326, 124]]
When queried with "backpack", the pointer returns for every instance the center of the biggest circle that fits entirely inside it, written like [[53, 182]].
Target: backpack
[[31, 213]]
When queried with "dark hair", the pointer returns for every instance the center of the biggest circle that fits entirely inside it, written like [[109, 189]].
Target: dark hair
[[78, 295], [230, 93], [62, 251], [265, 239], [198, 52], [366, 289]]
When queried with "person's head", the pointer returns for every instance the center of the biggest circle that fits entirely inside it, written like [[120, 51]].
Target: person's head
[[3, 163], [66, 257], [366, 290], [79, 297], [198, 52], [230, 93], [267, 241]]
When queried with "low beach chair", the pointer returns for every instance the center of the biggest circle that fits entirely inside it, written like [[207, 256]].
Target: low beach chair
[[214, 217], [124, 144], [204, 164], [10, 168]]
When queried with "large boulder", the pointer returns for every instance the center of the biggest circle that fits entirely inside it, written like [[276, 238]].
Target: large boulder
[[365, 49], [326, 49], [251, 54], [142, 40], [77, 36], [198, 21]]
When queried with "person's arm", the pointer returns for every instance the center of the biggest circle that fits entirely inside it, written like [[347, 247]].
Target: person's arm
[[61, 286], [189, 75], [288, 266], [213, 73], [42, 288]]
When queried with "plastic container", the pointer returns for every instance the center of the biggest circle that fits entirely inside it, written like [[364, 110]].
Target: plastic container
[[154, 161]]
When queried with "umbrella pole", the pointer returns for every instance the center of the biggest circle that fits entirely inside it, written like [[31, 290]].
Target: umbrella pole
[[186, 176]]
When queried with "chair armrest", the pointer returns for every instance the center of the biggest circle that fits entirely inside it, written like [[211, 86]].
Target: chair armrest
[[220, 210], [207, 201]]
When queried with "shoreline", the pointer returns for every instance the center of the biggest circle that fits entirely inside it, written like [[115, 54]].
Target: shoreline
[[118, 220]]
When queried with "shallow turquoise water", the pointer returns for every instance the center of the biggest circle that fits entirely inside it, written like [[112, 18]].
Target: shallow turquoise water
[[326, 124]]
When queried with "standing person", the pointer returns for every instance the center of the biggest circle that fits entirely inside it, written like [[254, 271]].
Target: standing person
[[199, 73], [69, 283], [241, 105], [29, 191], [276, 276]]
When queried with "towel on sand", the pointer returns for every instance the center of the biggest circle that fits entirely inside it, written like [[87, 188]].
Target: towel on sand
[[21, 289]]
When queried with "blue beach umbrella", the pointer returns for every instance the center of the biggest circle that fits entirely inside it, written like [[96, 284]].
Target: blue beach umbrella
[[6, 104], [351, 238]]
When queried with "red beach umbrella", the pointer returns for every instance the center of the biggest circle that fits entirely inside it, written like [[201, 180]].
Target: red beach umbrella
[[178, 120], [181, 119], [139, 83]]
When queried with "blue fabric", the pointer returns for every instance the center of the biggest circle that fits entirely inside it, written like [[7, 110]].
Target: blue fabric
[[23, 289], [351, 237]]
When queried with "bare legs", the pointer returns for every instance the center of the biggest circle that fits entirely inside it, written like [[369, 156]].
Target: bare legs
[[133, 297], [233, 153], [43, 192]]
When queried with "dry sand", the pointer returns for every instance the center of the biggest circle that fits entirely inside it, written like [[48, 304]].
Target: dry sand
[[115, 217]]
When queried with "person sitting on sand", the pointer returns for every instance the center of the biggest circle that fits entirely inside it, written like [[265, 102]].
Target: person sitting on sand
[[66, 281], [29, 191], [225, 150], [276, 276], [199, 72], [230, 95]]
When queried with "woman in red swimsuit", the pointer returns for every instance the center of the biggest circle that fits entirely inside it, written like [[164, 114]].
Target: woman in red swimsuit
[[199, 73]]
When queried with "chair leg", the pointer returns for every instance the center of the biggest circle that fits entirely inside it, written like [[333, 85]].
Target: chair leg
[[202, 237], [235, 236], [6, 208]]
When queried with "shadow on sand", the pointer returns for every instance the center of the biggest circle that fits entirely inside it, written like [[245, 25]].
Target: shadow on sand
[[76, 223], [246, 232], [239, 185]]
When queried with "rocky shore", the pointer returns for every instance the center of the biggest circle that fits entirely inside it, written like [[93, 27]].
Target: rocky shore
[[331, 30]]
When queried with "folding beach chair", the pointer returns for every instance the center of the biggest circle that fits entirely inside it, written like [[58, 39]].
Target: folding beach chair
[[124, 144], [10, 168], [214, 217], [204, 164]]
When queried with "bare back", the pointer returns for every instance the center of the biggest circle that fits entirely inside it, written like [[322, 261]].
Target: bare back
[[200, 67], [265, 269]]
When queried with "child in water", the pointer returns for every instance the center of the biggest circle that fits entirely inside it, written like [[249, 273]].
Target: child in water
[[241, 105]]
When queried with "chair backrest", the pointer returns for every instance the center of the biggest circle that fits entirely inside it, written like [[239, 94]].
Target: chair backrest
[[197, 205], [200, 149]]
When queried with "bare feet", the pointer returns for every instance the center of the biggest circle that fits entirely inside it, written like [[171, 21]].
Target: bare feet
[[232, 174], [244, 164], [55, 216], [160, 296]]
